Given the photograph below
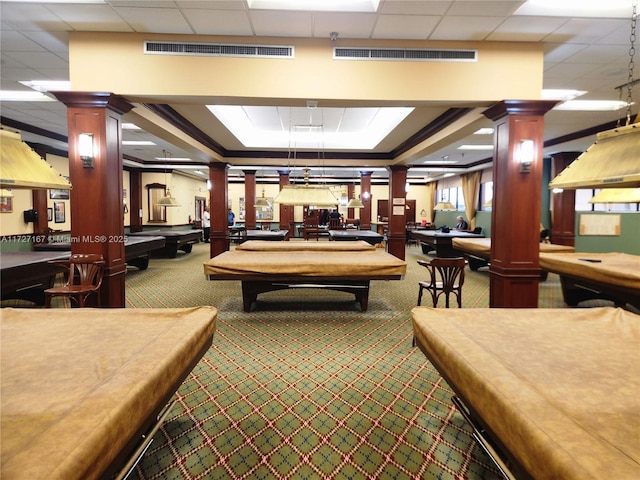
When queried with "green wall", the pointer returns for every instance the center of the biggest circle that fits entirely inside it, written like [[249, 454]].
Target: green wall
[[627, 242]]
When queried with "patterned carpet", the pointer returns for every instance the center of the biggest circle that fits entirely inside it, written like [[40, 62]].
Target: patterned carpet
[[309, 387]]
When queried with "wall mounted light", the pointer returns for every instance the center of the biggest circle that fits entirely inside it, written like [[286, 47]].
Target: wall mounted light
[[526, 155], [86, 149]]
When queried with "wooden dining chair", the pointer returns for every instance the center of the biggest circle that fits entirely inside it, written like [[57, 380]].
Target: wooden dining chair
[[446, 276], [335, 223], [84, 278]]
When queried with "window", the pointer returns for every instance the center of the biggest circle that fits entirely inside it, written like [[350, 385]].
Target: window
[[453, 195], [486, 196]]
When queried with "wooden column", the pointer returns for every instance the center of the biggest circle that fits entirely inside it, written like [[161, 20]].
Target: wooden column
[[397, 211], [286, 211], [249, 199], [218, 208], [515, 216], [365, 198], [563, 219], [97, 224], [135, 200]]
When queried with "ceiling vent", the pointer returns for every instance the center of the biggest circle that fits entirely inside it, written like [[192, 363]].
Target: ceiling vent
[[406, 54], [218, 49]]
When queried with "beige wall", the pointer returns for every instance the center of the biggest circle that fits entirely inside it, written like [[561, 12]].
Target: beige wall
[[12, 223], [115, 62]]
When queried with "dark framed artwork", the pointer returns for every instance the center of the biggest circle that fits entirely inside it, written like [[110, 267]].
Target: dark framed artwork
[[58, 208], [59, 194], [49, 214]]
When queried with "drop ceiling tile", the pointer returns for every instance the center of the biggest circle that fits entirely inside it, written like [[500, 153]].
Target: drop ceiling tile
[[12, 40], [598, 54], [404, 7], [559, 52], [29, 16], [90, 18], [155, 20], [281, 24], [218, 22], [482, 8], [202, 4], [57, 42], [526, 29], [465, 28], [348, 25], [416, 27], [584, 30], [10, 75], [37, 60]]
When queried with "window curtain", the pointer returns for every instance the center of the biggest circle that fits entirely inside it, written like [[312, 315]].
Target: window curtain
[[432, 189], [470, 191]]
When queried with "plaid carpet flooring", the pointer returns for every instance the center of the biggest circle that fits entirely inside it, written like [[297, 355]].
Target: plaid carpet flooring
[[309, 387]]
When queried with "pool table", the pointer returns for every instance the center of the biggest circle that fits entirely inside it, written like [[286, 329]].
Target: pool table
[[587, 276], [137, 250], [440, 241], [478, 250], [550, 393], [84, 390], [368, 236], [26, 275], [267, 235], [264, 266], [174, 240]]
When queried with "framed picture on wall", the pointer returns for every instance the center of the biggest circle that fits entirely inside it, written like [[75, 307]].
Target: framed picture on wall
[[6, 204], [58, 208], [49, 214], [59, 194]]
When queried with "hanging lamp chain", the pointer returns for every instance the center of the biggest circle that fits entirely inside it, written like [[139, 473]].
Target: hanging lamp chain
[[632, 52]]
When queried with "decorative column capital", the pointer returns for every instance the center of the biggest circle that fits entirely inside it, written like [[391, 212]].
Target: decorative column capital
[[94, 100], [519, 107]]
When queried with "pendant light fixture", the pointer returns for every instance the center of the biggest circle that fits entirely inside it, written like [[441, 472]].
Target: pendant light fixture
[[262, 202], [613, 161], [355, 201], [305, 194], [167, 200], [445, 207]]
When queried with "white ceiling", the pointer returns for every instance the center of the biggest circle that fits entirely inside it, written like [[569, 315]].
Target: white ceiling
[[583, 50]]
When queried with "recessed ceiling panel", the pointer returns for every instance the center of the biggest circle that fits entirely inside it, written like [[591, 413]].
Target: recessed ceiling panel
[[306, 128]]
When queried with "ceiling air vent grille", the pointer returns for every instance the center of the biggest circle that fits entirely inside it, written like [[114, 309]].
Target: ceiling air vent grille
[[405, 54], [218, 49]]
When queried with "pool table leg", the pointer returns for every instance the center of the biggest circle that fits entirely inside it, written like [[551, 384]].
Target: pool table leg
[[141, 262], [362, 296]]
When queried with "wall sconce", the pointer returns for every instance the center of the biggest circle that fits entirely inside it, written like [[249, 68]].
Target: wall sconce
[[365, 195], [526, 155], [85, 148]]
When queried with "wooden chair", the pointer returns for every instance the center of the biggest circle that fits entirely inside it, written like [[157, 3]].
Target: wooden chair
[[451, 278], [335, 223], [409, 240], [238, 235], [84, 279], [447, 277]]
